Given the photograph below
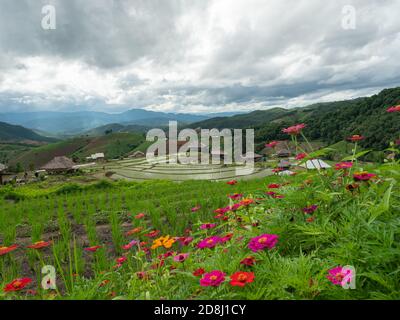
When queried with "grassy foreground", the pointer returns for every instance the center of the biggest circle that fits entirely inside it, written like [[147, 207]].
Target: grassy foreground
[[189, 240]]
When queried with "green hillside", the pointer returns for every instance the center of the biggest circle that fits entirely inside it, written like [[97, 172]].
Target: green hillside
[[9, 132], [329, 122], [112, 145]]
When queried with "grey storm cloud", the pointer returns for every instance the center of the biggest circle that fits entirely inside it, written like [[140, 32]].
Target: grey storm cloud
[[194, 56]]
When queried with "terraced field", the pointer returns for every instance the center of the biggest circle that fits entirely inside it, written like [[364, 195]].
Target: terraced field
[[141, 169]]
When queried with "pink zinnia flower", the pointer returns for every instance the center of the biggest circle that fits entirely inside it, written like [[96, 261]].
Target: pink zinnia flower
[[394, 109], [343, 165], [236, 196], [264, 241], [207, 226], [185, 241], [301, 156], [272, 144], [227, 238], [212, 279], [294, 130], [196, 208], [209, 242], [310, 209], [339, 276], [181, 257], [130, 245], [363, 176]]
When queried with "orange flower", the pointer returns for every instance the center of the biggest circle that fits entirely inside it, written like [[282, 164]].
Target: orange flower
[[17, 284], [165, 242], [140, 215], [5, 250], [133, 231], [40, 245]]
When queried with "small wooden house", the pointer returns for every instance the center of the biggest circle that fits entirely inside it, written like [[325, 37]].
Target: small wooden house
[[59, 165]]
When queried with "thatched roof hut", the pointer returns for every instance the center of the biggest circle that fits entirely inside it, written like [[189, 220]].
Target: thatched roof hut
[[59, 164]]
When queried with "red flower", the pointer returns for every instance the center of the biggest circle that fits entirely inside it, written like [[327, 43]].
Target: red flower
[[343, 165], [301, 156], [140, 215], [363, 176], [249, 261], [153, 234], [121, 260], [355, 138], [196, 208], [40, 245], [199, 272], [394, 109], [235, 196], [272, 144], [277, 170], [17, 284], [5, 250], [310, 219], [92, 249], [294, 130], [232, 182], [241, 278], [274, 186]]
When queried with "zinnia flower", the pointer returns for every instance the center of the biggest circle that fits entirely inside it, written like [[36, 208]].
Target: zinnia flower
[[181, 257], [121, 260], [17, 284], [277, 170], [213, 279], [301, 156], [140, 215], [236, 196], [152, 234], [185, 241], [209, 242], [246, 202], [355, 138], [232, 182], [196, 208], [274, 186], [339, 276], [130, 245], [310, 209], [310, 219], [198, 272], [394, 109], [272, 144], [264, 241], [40, 245], [343, 165], [165, 242], [249, 261], [363, 176], [294, 130], [226, 238], [207, 226], [92, 249], [5, 250], [241, 278], [133, 231]]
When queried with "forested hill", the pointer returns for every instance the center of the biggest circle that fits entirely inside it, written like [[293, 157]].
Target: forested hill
[[9, 132], [329, 122]]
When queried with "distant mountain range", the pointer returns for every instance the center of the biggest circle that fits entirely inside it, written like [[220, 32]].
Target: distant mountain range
[[74, 123]]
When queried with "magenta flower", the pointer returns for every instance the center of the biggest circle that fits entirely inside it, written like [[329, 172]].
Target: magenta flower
[[185, 241], [363, 176], [264, 241], [236, 196], [181, 257], [394, 109], [272, 144], [294, 130], [301, 156], [209, 242], [310, 209], [207, 226], [343, 165], [212, 279], [339, 275], [130, 245], [196, 208]]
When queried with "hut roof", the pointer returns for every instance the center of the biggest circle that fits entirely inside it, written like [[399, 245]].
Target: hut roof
[[59, 163], [316, 164]]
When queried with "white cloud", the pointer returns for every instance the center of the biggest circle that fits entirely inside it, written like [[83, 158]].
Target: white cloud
[[207, 56]]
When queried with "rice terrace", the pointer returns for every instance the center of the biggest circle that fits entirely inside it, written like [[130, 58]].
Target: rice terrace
[[282, 184]]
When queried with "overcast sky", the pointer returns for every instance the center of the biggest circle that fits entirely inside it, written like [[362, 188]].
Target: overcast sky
[[194, 56]]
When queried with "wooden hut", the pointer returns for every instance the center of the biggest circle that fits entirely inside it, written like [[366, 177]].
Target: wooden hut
[[59, 165]]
